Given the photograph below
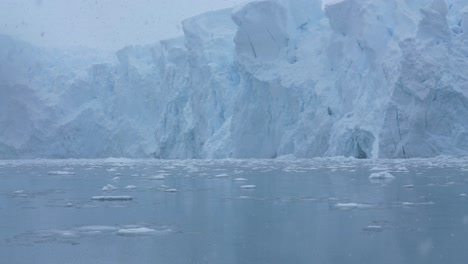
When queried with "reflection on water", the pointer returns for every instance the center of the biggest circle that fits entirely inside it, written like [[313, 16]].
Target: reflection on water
[[234, 211]]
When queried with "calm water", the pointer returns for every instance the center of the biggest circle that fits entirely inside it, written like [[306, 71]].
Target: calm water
[[303, 211]]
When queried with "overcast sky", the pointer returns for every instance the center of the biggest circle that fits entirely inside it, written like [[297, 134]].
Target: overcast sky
[[103, 24]]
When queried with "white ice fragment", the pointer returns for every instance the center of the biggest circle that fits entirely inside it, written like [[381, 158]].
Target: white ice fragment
[[140, 231], [68, 234], [373, 228], [171, 190], [409, 186], [69, 205], [18, 192], [157, 177], [224, 175], [130, 187], [352, 206], [383, 175], [240, 179], [116, 178], [379, 168], [462, 194], [97, 228], [112, 198], [61, 173], [250, 186], [109, 187]]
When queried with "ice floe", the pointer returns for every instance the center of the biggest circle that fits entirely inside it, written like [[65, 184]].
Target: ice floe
[[383, 175], [141, 231], [61, 173], [240, 179], [112, 198], [109, 187], [352, 206]]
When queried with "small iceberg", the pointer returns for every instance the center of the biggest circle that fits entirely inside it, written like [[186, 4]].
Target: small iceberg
[[61, 173], [250, 186], [171, 190], [112, 198], [373, 228], [383, 175], [157, 177], [140, 231], [240, 179], [109, 187], [129, 187], [224, 175], [352, 206]]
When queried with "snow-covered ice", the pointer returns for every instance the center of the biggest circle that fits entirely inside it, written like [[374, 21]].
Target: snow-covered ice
[[267, 79]]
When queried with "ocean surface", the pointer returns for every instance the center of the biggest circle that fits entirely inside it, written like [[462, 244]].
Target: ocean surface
[[234, 211]]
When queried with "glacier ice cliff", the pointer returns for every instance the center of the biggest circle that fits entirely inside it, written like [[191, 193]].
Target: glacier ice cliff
[[309, 78]]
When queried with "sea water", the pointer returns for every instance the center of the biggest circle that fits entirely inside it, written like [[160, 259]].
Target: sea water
[[234, 211]]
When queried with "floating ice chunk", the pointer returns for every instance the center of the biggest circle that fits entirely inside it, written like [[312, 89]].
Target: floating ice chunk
[[68, 234], [157, 177], [61, 173], [112, 198], [130, 187], [97, 228], [224, 175], [250, 186], [19, 192], [171, 190], [352, 206], [410, 204], [112, 170], [373, 228], [140, 231], [409, 186], [463, 194], [383, 175], [240, 179], [116, 179], [379, 168], [69, 205], [109, 187]]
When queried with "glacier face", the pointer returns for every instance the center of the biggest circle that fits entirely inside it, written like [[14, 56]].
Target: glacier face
[[361, 78]]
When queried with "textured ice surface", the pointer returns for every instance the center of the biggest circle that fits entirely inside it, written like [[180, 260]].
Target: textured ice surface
[[285, 78]]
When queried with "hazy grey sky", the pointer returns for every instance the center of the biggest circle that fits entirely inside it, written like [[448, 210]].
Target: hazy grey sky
[[104, 24]]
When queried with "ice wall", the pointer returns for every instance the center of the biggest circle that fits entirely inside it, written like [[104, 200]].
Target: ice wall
[[361, 78]]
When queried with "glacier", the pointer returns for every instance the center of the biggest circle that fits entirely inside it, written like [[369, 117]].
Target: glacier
[[265, 79]]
